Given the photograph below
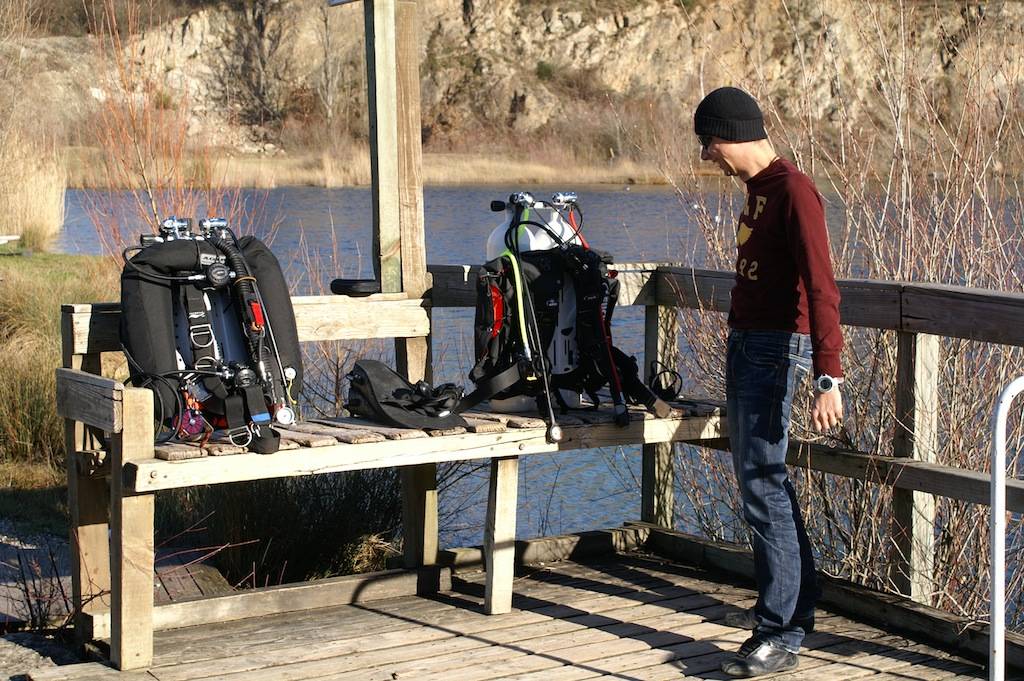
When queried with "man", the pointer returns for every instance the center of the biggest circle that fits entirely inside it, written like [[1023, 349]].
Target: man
[[784, 320]]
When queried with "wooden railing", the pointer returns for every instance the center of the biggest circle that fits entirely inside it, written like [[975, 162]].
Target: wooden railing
[[918, 313]]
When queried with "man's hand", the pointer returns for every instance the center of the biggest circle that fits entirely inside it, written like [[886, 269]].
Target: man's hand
[[827, 411]]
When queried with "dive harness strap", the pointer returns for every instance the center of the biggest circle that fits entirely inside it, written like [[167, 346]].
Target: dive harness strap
[[489, 387], [243, 407]]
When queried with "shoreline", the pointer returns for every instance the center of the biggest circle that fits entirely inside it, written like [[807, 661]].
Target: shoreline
[[85, 170]]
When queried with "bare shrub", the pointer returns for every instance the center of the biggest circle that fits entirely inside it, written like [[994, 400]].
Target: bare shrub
[[288, 530], [43, 598], [77, 17], [255, 74], [144, 145]]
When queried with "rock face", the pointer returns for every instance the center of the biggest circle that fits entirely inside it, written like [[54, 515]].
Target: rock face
[[495, 64]]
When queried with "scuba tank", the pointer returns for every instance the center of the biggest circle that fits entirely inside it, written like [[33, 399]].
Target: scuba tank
[[546, 307], [207, 324], [545, 227]]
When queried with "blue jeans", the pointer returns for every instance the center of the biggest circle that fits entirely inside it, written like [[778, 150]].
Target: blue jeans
[[763, 368]]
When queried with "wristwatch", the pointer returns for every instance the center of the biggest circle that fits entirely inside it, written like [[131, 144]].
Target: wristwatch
[[826, 383]]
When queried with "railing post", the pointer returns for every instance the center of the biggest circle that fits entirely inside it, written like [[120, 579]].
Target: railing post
[[413, 355], [916, 437], [88, 506], [661, 328], [382, 100], [997, 534]]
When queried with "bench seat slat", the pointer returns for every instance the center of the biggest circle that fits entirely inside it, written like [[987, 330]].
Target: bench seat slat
[[363, 426], [153, 474]]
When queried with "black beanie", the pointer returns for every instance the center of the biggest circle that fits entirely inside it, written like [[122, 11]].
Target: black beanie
[[729, 114]]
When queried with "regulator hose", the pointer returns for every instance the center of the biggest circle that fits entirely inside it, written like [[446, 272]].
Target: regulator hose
[[255, 328]]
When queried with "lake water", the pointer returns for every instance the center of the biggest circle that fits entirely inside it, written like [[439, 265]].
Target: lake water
[[559, 493]]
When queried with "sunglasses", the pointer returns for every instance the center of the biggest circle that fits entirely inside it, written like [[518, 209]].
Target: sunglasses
[[705, 140]]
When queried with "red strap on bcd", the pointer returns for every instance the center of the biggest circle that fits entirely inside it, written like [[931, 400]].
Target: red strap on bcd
[[257, 315], [498, 309]]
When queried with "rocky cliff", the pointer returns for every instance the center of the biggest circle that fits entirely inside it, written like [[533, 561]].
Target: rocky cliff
[[519, 65]]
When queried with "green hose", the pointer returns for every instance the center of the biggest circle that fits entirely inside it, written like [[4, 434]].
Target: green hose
[[518, 277]]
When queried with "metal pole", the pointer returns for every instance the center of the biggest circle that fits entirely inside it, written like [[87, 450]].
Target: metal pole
[[997, 535]]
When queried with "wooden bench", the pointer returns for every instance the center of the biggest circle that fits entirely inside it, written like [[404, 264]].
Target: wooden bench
[[110, 436]]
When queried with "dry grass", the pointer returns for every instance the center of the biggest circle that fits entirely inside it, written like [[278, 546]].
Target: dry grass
[[32, 176], [456, 168], [31, 291], [352, 169], [31, 432]]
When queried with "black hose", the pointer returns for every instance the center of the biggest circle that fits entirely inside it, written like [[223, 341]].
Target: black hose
[[245, 283]]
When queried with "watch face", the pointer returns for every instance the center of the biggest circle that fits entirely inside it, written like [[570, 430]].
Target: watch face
[[825, 383]]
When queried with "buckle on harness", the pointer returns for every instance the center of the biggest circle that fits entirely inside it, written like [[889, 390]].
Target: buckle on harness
[[201, 331], [527, 369], [235, 434], [206, 363]]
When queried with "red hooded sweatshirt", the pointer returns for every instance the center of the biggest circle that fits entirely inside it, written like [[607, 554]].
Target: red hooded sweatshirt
[[784, 278]]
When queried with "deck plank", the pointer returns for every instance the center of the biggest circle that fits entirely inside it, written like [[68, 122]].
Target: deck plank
[[634, 617]]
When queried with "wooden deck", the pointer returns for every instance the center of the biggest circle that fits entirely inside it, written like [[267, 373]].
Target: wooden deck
[[633, 617]]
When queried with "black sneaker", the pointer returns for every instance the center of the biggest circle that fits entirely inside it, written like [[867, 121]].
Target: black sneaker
[[756, 658], [746, 619]]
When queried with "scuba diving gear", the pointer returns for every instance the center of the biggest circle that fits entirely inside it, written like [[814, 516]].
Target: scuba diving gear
[[207, 324], [378, 393], [521, 305], [542, 230]]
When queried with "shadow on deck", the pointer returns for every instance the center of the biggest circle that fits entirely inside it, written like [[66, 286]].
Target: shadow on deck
[[631, 617]]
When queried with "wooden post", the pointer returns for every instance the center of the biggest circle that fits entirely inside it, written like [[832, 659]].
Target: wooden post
[[131, 558], [88, 506], [413, 355], [500, 535], [382, 99], [661, 327], [916, 437]]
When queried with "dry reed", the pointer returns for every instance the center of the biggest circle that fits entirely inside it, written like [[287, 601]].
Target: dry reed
[[32, 176], [31, 192]]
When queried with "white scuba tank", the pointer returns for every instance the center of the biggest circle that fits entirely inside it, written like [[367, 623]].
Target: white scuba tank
[[562, 350]]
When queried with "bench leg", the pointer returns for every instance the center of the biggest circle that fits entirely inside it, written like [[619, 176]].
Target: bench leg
[[500, 535], [131, 632], [131, 540], [657, 485], [88, 508], [419, 514]]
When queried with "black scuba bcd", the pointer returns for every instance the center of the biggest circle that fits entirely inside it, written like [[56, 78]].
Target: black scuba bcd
[[207, 324]]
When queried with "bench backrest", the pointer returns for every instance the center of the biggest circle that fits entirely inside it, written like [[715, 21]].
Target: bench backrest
[[92, 328]]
